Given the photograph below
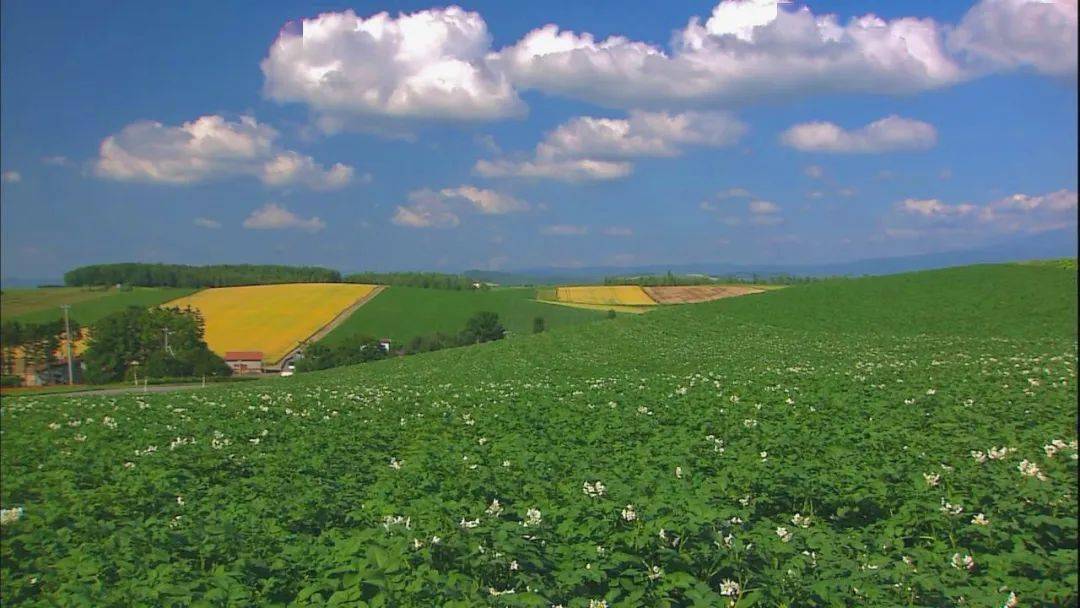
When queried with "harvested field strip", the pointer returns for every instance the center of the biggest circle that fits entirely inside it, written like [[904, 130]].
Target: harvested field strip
[[691, 294], [273, 319], [623, 295]]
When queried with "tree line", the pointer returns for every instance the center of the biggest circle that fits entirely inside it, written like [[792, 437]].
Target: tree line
[[180, 275], [430, 280], [155, 342], [227, 275], [670, 279], [481, 327]]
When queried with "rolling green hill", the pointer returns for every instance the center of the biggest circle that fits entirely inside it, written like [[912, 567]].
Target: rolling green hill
[[876, 447], [402, 313], [40, 305], [1014, 300]]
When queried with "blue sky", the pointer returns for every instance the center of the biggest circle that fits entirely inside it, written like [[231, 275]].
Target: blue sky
[[443, 138]]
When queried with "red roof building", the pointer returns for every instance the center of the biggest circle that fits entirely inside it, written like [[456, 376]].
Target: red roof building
[[245, 361]]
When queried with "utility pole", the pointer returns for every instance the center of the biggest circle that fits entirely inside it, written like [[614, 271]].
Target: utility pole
[[67, 333], [166, 331]]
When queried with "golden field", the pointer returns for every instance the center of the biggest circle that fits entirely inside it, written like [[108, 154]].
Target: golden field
[[273, 319], [634, 310], [619, 295]]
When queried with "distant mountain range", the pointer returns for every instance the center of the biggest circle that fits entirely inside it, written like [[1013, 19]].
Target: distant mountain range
[[1045, 245]]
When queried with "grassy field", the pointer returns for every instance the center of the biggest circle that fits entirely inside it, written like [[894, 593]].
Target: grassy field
[[273, 319], [41, 305], [908, 441], [402, 313], [1004, 300]]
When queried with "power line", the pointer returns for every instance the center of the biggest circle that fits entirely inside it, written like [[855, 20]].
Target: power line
[[67, 333]]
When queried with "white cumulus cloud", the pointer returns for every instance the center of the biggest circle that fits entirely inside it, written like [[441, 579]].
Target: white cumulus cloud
[[272, 216], [11, 177], [590, 148], [1010, 214], [486, 201], [747, 49], [204, 222], [372, 72], [1010, 34], [578, 170], [640, 134], [294, 168], [210, 147], [427, 64], [934, 208], [888, 134], [427, 208]]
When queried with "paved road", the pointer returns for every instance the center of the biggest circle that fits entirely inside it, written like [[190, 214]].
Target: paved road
[[156, 388]]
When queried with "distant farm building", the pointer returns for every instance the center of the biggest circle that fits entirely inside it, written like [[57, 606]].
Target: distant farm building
[[54, 372], [245, 361]]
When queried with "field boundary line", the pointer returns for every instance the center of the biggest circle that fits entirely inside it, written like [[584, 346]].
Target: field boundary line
[[626, 308], [330, 326]]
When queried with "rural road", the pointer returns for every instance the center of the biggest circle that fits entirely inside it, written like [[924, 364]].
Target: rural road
[[158, 388]]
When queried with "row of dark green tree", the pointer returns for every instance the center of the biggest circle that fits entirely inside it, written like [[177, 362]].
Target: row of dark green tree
[[430, 280], [481, 327], [157, 342], [179, 275], [670, 279], [225, 275]]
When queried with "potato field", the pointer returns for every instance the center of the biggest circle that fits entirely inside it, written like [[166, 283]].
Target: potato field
[[900, 451]]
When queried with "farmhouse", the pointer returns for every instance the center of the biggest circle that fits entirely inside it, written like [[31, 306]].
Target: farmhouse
[[54, 372], [245, 361]]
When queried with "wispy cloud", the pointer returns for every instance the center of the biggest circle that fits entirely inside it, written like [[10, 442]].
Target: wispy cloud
[[272, 216]]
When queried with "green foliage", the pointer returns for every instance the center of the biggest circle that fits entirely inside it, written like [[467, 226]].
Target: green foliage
[[7, 380], [141, 335], [179, 275], [428, 280], [483, 326], [405, 313], [318, 356], [539, 325], [888, 435], [436, 341]]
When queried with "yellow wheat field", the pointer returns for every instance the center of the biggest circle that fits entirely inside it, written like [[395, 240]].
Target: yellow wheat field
[[273, 319], [621, 295]]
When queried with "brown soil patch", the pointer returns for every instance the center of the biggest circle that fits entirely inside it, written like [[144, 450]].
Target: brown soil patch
[[691, 294]]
